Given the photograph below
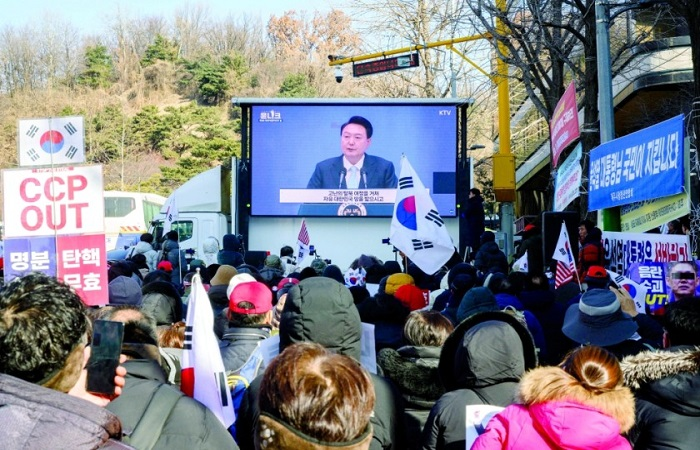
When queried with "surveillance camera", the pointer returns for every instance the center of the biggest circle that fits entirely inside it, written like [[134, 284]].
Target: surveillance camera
[[338, 74]]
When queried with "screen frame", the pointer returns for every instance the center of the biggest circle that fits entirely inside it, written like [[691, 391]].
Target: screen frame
[[245, 185]]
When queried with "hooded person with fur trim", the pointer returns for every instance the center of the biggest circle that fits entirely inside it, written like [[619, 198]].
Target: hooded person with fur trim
[[581, 404], [665, 383], [414, 367], [481, 363]]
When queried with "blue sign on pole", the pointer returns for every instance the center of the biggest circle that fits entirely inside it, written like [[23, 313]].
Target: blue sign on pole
[[641, 166]]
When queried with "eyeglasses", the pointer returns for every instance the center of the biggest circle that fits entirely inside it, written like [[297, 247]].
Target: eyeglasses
[[683, 276]]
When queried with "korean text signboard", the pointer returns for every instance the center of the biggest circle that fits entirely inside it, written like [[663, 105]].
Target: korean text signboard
[[54, 224], [641, 166], [62, 200], [564, 127], [624, 249], [568, 181]]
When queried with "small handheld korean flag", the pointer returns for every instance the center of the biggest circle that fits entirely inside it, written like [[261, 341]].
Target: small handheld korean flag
[[51, 141], [302, 242], [203, 373], [416, 228]]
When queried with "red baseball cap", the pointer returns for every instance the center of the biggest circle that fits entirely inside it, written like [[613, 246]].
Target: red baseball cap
[[412, 297], [165, 265], [255, 293], [285, 281]]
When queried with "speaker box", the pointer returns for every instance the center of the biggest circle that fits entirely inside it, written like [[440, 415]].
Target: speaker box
[[255, 258], [551, 227]]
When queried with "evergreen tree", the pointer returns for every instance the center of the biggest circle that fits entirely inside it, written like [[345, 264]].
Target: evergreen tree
[[98, 68]]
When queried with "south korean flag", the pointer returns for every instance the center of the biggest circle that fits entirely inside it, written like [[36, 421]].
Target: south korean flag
[[51, 141], [416, 227]]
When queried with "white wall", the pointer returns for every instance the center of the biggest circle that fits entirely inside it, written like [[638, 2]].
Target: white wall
[[340, 239]]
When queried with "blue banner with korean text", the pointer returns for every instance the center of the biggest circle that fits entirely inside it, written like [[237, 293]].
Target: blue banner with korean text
[[644, 165]]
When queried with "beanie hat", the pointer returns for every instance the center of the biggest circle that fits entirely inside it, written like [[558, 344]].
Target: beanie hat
[[476, 300], [318, 265], [255, 293], [487, 236], [412, 297], [223, 275], [332, 271], [165, 265], [236, 280], [273, 261], [124, 291], [397, 280]]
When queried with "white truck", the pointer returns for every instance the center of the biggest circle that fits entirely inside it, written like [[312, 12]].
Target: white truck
[[208, 205]]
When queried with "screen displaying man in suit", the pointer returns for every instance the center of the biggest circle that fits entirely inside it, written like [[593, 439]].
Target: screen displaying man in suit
[[355, 169]]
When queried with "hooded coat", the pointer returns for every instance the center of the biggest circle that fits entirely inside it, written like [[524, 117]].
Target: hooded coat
[[555, 411], [479, 364], [665, 384], [321, 310], [162, 302], [415, 371], [37, 417], [145, 249], [490, 258]]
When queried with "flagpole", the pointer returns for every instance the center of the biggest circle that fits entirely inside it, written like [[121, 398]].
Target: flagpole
[[578, 279]]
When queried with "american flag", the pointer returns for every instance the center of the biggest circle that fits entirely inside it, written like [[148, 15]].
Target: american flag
[[302, 242], [566, 266]]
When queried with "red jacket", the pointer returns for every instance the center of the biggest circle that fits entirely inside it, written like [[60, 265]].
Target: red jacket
[[590, 254]]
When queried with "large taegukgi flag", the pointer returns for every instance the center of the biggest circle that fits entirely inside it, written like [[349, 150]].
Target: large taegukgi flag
[[416, 227], [203, 373]]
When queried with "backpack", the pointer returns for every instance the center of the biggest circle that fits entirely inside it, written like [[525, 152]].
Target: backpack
[[239, 380]]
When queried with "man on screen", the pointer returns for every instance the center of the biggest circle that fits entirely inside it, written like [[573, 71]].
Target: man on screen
[[682, 278], [354, 169]]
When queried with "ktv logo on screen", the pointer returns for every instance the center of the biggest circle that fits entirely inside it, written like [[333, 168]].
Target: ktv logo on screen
[[270, 116]]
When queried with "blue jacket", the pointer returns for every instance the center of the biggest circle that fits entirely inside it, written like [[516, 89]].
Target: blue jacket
[[378, 173]]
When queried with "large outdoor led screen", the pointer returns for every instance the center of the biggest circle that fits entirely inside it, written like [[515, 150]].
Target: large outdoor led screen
[[298, 167]]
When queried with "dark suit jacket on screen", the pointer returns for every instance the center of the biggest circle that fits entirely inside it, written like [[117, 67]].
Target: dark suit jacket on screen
[[379, 172]]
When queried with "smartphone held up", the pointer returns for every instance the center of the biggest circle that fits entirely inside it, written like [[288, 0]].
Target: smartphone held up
[[106, 348]]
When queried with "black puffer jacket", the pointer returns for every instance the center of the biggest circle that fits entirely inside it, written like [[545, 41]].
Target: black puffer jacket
[[415, 372], [189, 424], [479, 364], [321, 310], [490, 258], [665, 385]]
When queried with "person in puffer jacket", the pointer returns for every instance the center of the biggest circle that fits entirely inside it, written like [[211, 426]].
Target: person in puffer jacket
[[480, 363], [580, 404], [145, 247], [321, 310]]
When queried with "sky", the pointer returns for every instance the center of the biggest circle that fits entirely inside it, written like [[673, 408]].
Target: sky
[[91, 15]]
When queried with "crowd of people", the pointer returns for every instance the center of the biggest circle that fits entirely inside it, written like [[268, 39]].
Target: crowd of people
[[570, 369]]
